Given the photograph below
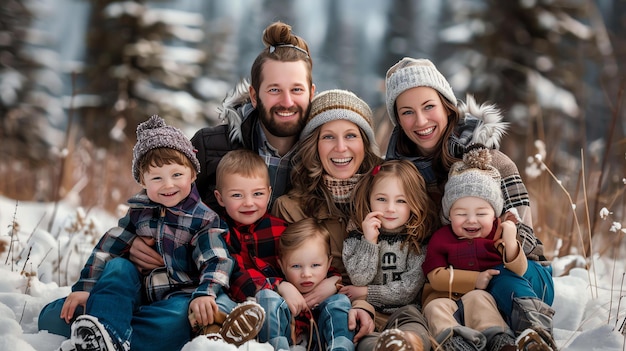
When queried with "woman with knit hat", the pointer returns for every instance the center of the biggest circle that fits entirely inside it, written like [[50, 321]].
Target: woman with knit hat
[[432, 129], [186, 295], [337, 146]]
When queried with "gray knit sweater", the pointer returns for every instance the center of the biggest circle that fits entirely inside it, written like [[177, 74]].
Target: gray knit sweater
[[393, 275]]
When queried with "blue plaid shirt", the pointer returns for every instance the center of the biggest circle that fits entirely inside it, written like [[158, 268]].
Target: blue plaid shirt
[[189, 237], [279, 167]]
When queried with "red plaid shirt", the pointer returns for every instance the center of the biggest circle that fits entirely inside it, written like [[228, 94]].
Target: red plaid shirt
[[255, 249]]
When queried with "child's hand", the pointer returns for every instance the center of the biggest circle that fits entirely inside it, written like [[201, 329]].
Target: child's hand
[[511, 215], [509, 233], [144, 256], [371, 224], [322, 291], [202, 311], [354, 292], [509, 239], [73, 300], [484, 278], [293, 298]]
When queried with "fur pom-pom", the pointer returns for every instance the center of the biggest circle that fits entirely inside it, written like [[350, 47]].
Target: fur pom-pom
[[477, 156], [154, 122]]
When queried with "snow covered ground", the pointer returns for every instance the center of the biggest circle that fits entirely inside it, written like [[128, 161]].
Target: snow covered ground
[[588, 316]]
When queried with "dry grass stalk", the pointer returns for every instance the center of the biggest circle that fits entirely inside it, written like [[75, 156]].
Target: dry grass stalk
[[573, 208]]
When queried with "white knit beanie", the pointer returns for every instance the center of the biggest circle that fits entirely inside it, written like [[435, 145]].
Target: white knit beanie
[[335, 104], [474, 176], [411, 73], [153, 134]]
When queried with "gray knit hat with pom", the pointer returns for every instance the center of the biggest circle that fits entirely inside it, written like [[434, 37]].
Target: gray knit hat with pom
[[412, 73], [153, 134], [336, 104], [474, 176]]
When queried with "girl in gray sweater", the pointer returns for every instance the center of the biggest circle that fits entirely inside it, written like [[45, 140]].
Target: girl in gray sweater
[[393, 216]]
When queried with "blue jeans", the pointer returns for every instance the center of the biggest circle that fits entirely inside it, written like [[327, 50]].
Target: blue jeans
[[116, 300], [331, 317], [535, 283]]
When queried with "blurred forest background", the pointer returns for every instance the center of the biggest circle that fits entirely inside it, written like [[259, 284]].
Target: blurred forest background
[[77, 76]]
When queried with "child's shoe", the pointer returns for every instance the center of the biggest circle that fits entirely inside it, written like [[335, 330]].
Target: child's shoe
[[243, 323], [66, 345], [535, 340], [87, 334], [397, 340], [501, 342], [457, 343]]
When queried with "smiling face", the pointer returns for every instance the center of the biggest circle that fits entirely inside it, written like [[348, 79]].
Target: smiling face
[[168, 184], [306, 266], [388, 197], [244, 198], [472, 217], [341, 148], [422, 116], [283, 98]]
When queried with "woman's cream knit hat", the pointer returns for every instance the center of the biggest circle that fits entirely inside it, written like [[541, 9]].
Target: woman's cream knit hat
[[411, 73]]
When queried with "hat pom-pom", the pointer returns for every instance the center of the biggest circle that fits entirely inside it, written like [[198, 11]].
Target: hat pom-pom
[[477, 156], [154, 122]]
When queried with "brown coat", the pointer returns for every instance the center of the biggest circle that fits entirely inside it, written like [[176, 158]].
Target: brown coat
[[290, 210]]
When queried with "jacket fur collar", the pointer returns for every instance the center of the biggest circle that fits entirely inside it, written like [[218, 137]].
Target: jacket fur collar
[[489, 128], [235, 109]]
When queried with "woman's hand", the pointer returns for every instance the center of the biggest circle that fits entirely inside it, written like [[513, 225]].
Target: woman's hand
[[360, 321]]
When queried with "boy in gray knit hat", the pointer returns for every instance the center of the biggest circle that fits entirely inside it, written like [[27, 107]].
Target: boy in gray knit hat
[[187, 291], [478, 250]]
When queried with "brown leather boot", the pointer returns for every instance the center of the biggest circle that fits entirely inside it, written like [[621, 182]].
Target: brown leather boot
[[398, 340], [243, 323], [212, 331]]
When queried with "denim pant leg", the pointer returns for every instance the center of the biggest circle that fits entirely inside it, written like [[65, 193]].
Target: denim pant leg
[[276, 329], [540, 278], [120, 283], [332, 323], [535, 283], [164, 325], [50, 318]]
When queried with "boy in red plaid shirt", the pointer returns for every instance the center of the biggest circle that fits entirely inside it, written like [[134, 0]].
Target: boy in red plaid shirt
[[243, 189]]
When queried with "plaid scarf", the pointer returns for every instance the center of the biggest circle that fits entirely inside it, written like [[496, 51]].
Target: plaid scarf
[[341, 189]]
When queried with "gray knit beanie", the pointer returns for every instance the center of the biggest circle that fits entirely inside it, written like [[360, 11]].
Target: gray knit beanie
[[474, 176], [335, 104], [411, 73], [153, 134]]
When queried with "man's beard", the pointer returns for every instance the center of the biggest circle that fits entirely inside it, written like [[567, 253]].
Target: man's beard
[[281, 129]]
